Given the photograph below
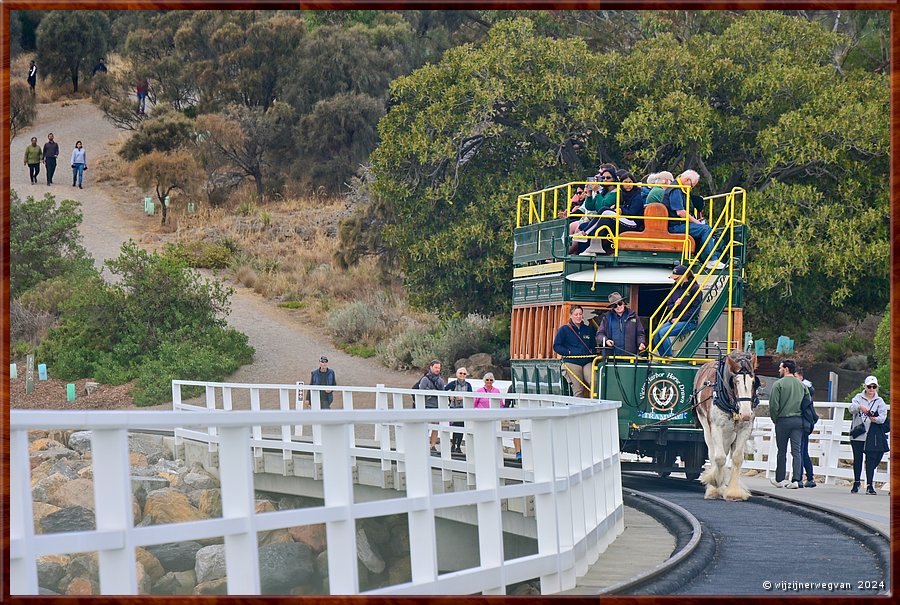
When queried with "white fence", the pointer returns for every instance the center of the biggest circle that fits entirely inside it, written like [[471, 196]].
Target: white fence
[[829, 446], [570, 467]]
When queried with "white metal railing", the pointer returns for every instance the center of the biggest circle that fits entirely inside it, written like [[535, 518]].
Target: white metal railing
[[570, 468], [829, 446]]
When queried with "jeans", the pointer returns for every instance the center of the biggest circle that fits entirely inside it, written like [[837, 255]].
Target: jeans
[[699, 232], [790, 428], [77, 173], [681, 327], [807, 461], [50, 164], [33, 171], [142, 100], [575, 375], [873, 459]]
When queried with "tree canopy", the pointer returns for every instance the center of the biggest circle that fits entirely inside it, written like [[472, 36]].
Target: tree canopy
[[69, 43], [759, 103]]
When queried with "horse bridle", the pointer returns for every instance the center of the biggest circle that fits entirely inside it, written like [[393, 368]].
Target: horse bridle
[[723, 395]]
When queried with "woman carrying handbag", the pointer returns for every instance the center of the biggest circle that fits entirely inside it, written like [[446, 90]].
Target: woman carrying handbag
[[867, 433]]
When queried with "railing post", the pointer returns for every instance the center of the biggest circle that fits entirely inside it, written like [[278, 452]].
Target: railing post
[[112, 508], [383, 431], [256, 431], [490, 522], [23, 577], [338, 488], [546, 505], [576, 490], [423, 548], [287, 455], [211, 405], [236, 476]]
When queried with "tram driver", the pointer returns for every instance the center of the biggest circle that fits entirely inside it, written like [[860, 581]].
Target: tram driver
[[576, 341]]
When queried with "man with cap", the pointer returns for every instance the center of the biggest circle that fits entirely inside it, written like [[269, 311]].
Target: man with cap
[[323, 376], [785, 401], [621, 329], [683, 309]]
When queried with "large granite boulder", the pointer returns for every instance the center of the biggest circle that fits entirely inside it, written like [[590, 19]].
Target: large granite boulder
[[169, 505], [207, 501], [39, 510], [176, 556], [210, 564], [312, 535], [78, 492], [218, 586], [44, 489], [50, 571], [285, 565], [199, 478], [80, 441], [150, 446], [73, 518], [368, 556], [176, 583], [150, 562]]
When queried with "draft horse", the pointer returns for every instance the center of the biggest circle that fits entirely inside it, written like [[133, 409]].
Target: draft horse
[[725, 400]]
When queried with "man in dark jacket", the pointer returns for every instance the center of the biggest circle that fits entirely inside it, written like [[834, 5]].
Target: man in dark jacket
[[683, 306], [621, 329], [51, 152], [432, 381], [323, 376], [577, 343]]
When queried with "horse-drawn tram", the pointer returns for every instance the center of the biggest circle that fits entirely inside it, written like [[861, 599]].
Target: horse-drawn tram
[[562, 260]]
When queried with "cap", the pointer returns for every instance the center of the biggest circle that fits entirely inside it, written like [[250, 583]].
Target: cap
[[323, 358], [679, 270], [614, 298], [871, 380]]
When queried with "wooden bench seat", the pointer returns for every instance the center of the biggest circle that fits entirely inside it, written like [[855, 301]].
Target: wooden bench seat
[[655, 227]]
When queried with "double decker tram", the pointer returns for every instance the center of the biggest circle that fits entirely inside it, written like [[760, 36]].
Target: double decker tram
[[656, 420]]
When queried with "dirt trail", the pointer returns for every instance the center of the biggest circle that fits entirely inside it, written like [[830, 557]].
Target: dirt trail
[[286, 349]]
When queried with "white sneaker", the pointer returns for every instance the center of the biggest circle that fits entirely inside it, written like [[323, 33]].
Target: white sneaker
[[781, 483], [715, 265], [793, 485]]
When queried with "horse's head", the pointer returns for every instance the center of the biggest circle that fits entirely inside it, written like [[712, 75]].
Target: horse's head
[[742, 383]]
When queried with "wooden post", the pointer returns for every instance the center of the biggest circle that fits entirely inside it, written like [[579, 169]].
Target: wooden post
[[29, 374]]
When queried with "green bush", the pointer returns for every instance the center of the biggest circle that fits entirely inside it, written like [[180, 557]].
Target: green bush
[[158, 322], [368, 322], [450, 340], [361, 351], [831, 351], [412, 348], [201, 254]]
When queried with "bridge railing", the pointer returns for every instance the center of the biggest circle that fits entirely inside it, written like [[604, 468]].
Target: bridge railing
[[829, 446], [570, 468]]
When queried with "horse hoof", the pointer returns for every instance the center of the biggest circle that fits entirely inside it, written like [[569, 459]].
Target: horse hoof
[[712, 493]]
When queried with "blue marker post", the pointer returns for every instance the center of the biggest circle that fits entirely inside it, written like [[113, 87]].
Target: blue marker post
[[13, 371], [70, 392], [760, 347], [42, 371]]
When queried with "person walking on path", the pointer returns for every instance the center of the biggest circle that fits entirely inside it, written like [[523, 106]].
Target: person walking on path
[[79, 164], [577, 343], [810, 418], [621, 329], [141, 89], [432, 381], [784, 410], [100, 67], [869, 411], [323, 376], [32, 76], [33, 158], [51, 152]]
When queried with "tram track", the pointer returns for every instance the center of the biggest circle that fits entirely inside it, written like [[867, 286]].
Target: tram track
[[743, 547]]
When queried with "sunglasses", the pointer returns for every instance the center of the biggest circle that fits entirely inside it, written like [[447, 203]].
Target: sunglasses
[[462, 374], [621, 303], [871, 386], [489, 380]]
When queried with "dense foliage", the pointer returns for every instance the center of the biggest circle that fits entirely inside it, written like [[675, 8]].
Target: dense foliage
[[71, 42], [157, 322], [758, 103], [44, 241]]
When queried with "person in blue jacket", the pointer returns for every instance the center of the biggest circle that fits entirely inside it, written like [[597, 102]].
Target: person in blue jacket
[[323, 375], [576, 341]]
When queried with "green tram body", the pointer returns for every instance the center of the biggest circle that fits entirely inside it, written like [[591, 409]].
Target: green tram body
[[656, 420]]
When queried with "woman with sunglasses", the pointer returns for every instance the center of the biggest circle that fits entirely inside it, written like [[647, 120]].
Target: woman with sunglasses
[[869, 411], [460, 385]]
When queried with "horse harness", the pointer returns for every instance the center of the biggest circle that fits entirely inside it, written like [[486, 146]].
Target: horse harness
[[722, 390]]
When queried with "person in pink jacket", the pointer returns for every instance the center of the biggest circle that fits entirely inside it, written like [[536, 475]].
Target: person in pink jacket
[[484, 402]]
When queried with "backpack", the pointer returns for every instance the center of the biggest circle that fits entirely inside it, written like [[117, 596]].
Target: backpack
[[808, 412]]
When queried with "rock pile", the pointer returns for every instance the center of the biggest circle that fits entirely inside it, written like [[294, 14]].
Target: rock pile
[[292, 560]]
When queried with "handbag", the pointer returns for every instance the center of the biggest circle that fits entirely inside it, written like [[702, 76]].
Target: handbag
[[858, 430], [886, 426]]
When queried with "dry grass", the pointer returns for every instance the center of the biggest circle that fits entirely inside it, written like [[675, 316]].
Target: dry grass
[[284, 250]]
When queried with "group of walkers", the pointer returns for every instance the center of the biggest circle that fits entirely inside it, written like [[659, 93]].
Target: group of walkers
[[789, 405], [597, 200], [35, 155]]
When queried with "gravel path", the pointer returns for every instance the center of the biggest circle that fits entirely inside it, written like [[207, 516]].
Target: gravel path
[[286, 349]]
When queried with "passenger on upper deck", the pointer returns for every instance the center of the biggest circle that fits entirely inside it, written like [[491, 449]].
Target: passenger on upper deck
[[655, 194], [631, 204], [675, 200], [684, 308]]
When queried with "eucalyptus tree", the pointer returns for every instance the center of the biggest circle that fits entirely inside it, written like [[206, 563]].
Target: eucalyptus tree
[[69, 42]]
